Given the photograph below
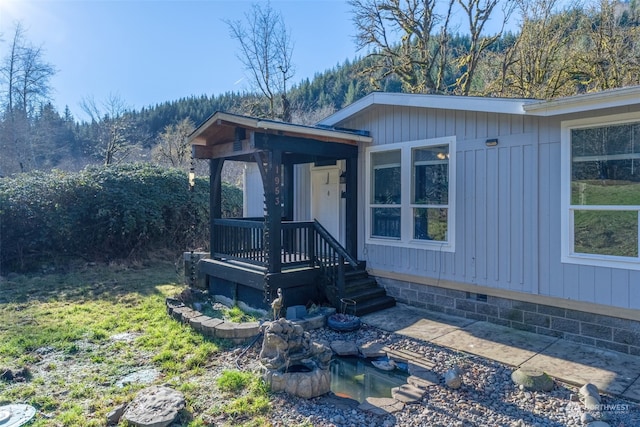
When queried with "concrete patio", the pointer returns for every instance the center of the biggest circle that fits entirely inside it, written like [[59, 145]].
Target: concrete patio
[[573, 363]]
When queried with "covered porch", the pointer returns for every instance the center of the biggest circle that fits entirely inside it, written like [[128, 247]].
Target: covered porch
[[252, 257]]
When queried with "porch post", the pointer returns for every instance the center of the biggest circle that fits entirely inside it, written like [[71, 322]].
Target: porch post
[[273, 221], [351, 214], [215, 199]]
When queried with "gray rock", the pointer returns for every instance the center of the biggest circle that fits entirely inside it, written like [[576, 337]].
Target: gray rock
[[592, 403], [154, 407], [384, 365], [452, 379], [113, 417], [372, 349], [344, 348], [532, 379], [586, 418], [590, 390]]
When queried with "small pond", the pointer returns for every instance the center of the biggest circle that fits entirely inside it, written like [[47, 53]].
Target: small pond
[[357, 379]]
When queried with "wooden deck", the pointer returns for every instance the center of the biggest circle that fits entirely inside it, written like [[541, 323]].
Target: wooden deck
[[313, 267]]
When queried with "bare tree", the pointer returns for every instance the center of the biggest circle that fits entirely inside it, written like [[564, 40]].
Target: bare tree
[[402, 38], [265, 51], [114, 128], [610, 56], [33, 87], [478, 13], [25, 79], [172, 147], [26, 75], [11, 65], [540, 64]]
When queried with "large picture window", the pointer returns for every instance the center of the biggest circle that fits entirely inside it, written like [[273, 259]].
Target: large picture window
[[409, 193], [602, 200]]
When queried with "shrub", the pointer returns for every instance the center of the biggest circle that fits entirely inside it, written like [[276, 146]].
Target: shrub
[[104, 213]]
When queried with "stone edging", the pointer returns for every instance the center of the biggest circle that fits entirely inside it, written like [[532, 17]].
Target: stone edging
[[235, 332]]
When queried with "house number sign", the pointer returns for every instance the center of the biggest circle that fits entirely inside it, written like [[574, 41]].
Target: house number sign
[[277, 182]]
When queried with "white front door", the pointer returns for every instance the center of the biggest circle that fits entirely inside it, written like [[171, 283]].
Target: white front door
[[326, 199]]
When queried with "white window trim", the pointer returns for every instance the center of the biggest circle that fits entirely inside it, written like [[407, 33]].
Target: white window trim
[[566, 216], [406, 207]]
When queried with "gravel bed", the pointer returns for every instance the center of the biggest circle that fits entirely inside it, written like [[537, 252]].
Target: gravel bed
[[487, 397]]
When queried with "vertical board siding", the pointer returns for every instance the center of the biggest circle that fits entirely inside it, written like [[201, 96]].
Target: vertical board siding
[[544, 218], [602, 286], [504, 203], [587, 291], [620, 287], [493, 203], [530, 206], [570, 282], [481, 239], [508, 205], [493, 216], [633, 286]]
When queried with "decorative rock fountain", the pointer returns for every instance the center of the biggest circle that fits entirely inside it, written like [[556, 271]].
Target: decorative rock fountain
[[292, 362]]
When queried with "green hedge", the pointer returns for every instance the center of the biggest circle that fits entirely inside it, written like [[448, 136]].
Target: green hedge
[[104, 213]]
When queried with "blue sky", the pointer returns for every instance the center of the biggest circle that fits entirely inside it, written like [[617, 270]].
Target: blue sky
[[148, 52]]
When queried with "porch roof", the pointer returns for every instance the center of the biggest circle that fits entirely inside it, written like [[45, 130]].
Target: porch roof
[[231, 136]]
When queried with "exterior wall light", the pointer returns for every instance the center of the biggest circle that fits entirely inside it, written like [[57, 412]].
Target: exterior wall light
[[491, 142]]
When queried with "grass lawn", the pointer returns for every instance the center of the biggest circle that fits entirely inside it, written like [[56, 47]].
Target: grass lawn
[[80, 332]]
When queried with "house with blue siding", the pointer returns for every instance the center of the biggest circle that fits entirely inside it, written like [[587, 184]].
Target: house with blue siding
[[519, 212]]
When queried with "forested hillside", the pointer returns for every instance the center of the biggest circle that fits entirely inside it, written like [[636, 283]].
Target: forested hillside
[[555, 51]]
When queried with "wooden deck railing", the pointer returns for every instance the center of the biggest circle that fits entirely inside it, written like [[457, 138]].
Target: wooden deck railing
[[239, 239], [304, 243]]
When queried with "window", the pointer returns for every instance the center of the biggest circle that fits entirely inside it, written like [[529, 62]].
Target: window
[[430, 188], [409, 193], [385, 194], [601, 192]]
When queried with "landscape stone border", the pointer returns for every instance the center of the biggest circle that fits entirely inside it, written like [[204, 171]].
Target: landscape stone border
[[237, 333]]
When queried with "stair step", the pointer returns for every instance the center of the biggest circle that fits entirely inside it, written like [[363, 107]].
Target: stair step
[[373, 305], [408, 356], [355, 274], [361, 284], [364, 290], [361, 295]]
